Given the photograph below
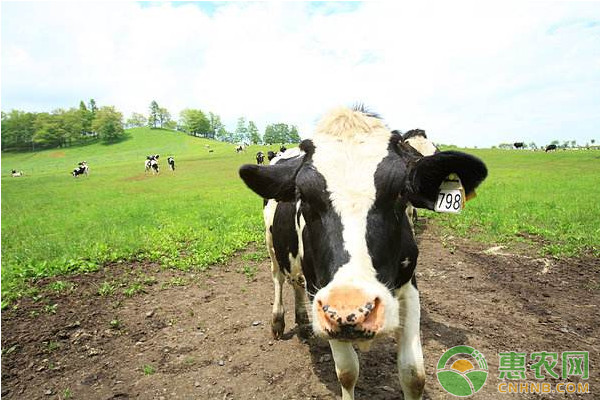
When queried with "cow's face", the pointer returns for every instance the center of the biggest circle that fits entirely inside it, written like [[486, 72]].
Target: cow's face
[[351, 188]]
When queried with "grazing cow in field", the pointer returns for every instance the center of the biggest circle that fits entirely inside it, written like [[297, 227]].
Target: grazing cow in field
[[271, 155], [151, 164], [282, 149], [550, 147], [336, 226], [82, 169], [240, 148], [260, 157], [15, 174], [171, 162], [417, 139], [519, 145]]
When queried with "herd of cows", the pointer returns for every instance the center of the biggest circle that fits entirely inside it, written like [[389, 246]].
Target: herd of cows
[[337, 229], [521, 145]]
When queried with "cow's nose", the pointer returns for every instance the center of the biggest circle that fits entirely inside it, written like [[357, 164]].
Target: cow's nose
[[349, 313]]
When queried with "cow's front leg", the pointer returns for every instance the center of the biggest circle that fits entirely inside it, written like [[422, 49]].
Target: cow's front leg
[[408, 336], [278, 318], [300, 300], [346, 366]]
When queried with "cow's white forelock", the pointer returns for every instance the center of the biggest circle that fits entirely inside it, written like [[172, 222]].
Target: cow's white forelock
[[422, 145], [348, 164]]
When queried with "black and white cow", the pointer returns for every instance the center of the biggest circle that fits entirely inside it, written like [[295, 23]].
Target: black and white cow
[[519, 145], [151, 164], [550, 147], [271, 155], [339, 230], [417, 139], [260, 157], [16, 174], [241, 148], [171, 162], [282, 149], [82, 169]]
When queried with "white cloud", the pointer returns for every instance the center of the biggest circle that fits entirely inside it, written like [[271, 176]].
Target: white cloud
[[467, 73]]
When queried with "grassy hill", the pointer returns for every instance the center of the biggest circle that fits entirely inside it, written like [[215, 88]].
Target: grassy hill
[[53, 223]]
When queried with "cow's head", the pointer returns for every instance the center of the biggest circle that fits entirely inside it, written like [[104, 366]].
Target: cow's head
[[351, 186]]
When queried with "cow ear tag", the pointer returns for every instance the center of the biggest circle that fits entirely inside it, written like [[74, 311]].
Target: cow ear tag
[[451, 197]]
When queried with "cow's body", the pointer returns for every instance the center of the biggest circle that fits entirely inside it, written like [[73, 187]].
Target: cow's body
[[171, 162], [151, 164], [519, 145], [16, 174], [550, 147], [82, 169], [341, 220], [271, 155], [417, 139], [260, 157]]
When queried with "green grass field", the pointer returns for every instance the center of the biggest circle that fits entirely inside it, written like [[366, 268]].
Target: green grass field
[[55, 224], [549, 200]]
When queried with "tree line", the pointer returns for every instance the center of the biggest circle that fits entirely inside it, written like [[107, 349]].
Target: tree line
[[23, 130]]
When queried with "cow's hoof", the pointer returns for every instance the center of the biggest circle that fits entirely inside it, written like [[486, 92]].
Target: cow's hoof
[[277, 326], [305, 331], [302, 318]]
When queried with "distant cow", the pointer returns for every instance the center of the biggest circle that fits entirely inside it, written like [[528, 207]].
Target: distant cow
[[550, 147], [271, 155], [260, 157], [240, 149], [15, 174], [282, 149], [151, 164], [171, 162], [417, 139], [82, 169], [336, 226], [519, 145]]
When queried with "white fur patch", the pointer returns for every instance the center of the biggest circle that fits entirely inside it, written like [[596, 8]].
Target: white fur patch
[[422, 145], [349, 147]]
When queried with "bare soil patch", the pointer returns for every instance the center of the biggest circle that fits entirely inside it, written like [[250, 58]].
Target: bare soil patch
[[206, 335]]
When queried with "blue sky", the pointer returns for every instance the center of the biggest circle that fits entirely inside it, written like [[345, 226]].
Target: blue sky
[[468, 73]]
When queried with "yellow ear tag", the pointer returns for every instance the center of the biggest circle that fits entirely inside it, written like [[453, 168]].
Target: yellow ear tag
[[451, 197]]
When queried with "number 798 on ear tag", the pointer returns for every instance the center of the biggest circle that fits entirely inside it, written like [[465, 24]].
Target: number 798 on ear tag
[[451, 197]]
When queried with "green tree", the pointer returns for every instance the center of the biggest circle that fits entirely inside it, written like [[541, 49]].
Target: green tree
[[195, 123], [92, 106], [18, 129], [241, 132], [224, 136], [72, 123], [293, 136], [253, 133], [278, 133], [86, 116], [215, 124], [49, 131], [137, 120], [153, 118], [164, 117], [109, 124]]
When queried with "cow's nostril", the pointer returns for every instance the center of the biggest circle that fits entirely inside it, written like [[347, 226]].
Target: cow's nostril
[[325, 307], [350, 317]]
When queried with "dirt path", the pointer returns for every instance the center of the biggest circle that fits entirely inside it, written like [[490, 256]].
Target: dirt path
[[207, 335]]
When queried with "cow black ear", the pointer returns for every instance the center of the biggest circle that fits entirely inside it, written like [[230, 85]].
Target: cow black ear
[[276, 181], [426, 176]]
